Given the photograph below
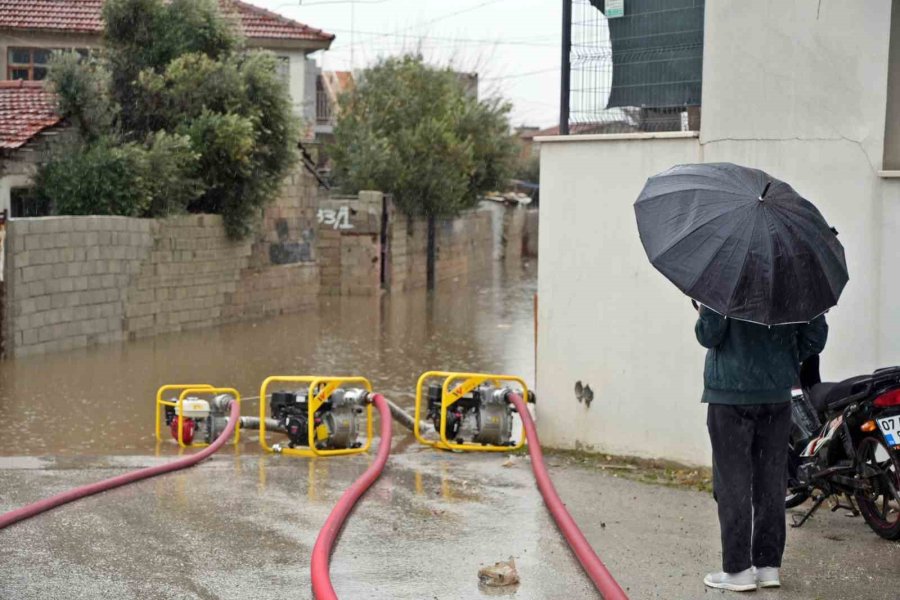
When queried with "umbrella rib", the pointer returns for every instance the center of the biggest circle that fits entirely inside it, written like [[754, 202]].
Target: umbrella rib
[[782, 218], [743, 263], [775, 233], [684, 234], [802, 221], [681, 191], [738, 225]]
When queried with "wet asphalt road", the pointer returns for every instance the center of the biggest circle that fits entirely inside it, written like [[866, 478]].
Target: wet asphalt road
[[241, 527]]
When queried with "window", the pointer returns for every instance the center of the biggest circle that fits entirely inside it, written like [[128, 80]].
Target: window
[[22, 204], [30, 64]]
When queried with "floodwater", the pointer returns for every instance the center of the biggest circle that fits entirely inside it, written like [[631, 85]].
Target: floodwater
[[100, 400]]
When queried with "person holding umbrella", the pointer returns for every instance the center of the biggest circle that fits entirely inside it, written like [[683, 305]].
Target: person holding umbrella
[[762, 266]]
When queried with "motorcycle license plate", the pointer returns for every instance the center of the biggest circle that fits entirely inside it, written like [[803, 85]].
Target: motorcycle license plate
[[890, 427]]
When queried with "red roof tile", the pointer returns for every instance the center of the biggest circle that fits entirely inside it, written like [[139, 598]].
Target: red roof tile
[[261, 23], [26, 109], [83, 16]]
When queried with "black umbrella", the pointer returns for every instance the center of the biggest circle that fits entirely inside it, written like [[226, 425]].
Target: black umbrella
[[741, 242]]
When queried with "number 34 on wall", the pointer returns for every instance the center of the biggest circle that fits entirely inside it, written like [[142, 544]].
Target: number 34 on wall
[[339, 219]]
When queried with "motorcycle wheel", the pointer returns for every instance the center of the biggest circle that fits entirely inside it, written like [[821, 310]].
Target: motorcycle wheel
[[796, 495], [880, 507]]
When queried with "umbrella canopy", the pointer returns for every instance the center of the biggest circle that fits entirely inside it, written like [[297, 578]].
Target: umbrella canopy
[[741, 242]]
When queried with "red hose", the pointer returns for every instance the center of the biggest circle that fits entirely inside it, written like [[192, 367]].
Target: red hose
[[590, 562], [40, 506], [321, 580]]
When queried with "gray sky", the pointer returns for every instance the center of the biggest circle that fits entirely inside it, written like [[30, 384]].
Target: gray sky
[[513, 44]]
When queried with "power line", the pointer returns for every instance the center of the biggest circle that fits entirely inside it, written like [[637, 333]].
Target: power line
[[300, 3], [438, 19], [447, 39], [525, 74]]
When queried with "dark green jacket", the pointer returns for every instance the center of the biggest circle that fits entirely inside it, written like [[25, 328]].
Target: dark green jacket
[[754, 364]]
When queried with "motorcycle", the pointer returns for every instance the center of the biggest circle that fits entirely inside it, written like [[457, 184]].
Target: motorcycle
[[845, 447]]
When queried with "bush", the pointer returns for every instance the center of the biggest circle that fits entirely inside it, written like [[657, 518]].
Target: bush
[[174, 116], [98, 179], [109, 178]]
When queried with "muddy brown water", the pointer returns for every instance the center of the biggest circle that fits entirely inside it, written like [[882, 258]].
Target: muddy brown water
[[100, 400]]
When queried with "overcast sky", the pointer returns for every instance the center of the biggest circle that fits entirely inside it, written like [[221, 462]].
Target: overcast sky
[[514, 45]]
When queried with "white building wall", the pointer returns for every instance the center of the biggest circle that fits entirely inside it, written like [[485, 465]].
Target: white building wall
[[796, 88]]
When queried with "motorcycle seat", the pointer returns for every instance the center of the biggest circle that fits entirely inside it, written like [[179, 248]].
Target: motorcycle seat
[[823, 394]]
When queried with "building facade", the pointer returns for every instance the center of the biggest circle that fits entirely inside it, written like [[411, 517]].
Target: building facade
[[30, 30], [806, 90]]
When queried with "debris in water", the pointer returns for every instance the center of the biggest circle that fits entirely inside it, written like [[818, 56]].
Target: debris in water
[[500, 574]]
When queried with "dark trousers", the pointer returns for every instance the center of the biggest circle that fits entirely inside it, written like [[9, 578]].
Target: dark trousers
[[749, 445]]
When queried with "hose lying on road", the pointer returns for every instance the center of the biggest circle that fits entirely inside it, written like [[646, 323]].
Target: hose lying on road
[[36, 508], [321, 579], [593, 566]]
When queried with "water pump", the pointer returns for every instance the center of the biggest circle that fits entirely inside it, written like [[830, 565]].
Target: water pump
[[336, 422], [470, 411], [203, 420], [483, 416], [195, 414], [322, 416]]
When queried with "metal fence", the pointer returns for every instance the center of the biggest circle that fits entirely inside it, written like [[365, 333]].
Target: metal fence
[[631, 65]]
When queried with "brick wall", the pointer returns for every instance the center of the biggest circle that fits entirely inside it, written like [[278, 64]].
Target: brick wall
[[79, 281]]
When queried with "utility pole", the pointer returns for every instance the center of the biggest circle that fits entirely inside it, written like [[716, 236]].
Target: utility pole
[[566, 73]]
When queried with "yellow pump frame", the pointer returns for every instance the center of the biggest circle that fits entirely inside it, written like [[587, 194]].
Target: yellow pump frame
[[186, 389], [314, 402], [448, 398]]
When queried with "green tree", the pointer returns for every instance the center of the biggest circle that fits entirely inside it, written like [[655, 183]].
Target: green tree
[[411, 129], [174, 115]]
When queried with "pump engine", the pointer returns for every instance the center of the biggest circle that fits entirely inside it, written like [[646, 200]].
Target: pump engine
[[203, 420], [337, 423], [483, 416]]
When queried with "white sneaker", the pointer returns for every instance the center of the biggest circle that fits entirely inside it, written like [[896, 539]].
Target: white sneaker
[[745, 581], [767, 577]]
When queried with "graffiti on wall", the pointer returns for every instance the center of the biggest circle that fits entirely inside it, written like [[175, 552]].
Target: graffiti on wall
[[338, 219]]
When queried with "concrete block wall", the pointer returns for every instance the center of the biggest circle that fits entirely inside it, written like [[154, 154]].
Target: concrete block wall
[[80, 281], [513, 233], [530, 243], [349, 244], [463, 245], [408, 241], [67, 280], [187, 280]]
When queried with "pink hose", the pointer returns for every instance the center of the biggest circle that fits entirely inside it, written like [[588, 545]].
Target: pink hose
[[40, 506], [590, 562], [321, 580]]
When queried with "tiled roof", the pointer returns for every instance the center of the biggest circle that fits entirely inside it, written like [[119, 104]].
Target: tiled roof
[[83, 16], [76, 16], [260, 23], [26, 109]]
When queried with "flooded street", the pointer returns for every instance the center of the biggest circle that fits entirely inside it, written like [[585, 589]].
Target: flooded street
[[100, 400]]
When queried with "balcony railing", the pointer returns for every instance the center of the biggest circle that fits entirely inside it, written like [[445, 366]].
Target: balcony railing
[[324, 110]]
